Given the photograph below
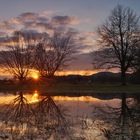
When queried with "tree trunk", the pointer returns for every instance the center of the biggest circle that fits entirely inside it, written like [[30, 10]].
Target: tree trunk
[[123, 77]]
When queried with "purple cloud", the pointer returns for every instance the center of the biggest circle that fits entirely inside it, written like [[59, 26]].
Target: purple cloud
[[58, 20], [39, 23]]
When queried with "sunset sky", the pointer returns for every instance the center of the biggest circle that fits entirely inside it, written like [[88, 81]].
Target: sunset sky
[[80, 16]]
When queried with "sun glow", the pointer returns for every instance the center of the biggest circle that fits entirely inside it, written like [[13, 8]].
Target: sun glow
[[35, 97], [76, 72], [35, 76]]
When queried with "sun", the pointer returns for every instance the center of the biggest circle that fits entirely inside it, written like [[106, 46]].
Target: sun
[[35, 76]]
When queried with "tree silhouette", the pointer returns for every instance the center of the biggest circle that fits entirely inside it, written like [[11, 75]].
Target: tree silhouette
[[53, 53], [16, 57], [137, 62], [119, 38]]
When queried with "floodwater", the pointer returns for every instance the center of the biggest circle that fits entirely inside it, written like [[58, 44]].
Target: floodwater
[[76, 105], [86, 115]]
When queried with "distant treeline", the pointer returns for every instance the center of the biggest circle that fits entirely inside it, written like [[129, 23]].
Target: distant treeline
[[101, 77]]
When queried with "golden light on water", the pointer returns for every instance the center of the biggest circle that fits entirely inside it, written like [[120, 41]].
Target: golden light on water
[[31, 98], [81, 98], [35, 97]]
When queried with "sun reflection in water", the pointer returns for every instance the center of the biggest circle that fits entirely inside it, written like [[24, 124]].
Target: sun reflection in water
[[35, 97]]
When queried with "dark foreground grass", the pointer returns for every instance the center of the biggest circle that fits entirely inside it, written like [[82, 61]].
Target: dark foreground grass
[[58, 88]]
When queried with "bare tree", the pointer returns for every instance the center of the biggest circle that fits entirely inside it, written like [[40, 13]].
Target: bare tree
[[53, 53], [119, 38], [137, 62], [16, 56]]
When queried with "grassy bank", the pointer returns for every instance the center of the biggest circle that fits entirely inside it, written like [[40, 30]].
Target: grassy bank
[[63, 87]]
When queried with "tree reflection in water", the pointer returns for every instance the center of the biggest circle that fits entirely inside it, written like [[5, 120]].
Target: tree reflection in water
[[17, 117], [50, 120], [42, 119], [122, 121]]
